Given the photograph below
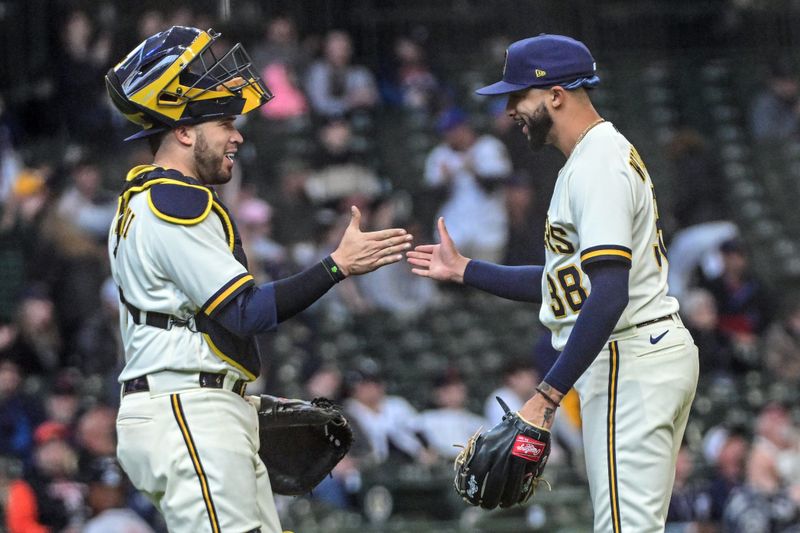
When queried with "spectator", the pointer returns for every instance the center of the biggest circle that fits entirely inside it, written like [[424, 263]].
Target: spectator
[[763, 504], [698, 187], [37, 345], [335, 86], [282, 62], [340, 489], [293, 227], [387, 422], [64, 400], [519, 383], [86, 203], [694, 253], [525, 225], [726, 450], [412, 85], [469, 170], [81, 98], [280, 45], [106, 491], [699, 311], [98, 345], [47, 498], [744, 306], [322, 380], [690, 505], [19, 413], [95, 435], [268, 260], [778, 437], [449, 423], [775, 114], [782, 345]]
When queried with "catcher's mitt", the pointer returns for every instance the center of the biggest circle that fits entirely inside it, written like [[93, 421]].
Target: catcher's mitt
[[503, 465], [301, 441]]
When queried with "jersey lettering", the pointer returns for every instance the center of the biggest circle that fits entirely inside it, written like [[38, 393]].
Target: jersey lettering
[[555, 239], [570, 281], [659, 248]]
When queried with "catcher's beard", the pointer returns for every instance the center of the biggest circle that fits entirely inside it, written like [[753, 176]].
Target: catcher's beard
[[539, 126], [209, 165]]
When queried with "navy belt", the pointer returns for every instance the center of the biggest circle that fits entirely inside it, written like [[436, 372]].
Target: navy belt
[[207, 380]]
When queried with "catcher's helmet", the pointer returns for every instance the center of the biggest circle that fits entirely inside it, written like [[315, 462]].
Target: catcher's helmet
[[174, 78]]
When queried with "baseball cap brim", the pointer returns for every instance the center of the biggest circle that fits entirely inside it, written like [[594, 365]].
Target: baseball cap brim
[[501, 87], [145, 133]]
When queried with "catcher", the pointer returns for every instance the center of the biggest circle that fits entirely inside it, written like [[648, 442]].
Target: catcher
[[187, 437]]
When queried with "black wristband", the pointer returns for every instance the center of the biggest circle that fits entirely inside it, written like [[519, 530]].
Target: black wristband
[[333, 269], [547, 397]]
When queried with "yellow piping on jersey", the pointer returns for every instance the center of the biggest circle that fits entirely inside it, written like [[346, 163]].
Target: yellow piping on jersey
[[141, 169], [249, 375], [227, 292], [226, 221], [181, 221], [621, 253]]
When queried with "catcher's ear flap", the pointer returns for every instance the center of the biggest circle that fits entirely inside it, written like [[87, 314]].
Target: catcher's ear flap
[[503, 404]]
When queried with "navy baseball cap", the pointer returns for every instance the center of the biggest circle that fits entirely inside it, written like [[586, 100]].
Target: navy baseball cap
[[545, 61]]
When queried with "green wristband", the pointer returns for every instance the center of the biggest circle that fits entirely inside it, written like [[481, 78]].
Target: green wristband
[[333, 269]]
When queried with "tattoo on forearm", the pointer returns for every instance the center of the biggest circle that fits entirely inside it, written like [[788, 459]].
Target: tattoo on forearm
[[548, 414], [544, 387]]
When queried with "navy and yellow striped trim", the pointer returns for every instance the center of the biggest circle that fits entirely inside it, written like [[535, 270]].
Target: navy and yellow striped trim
[[613, 485], [606, 252], [127, 224], [227, 293], [180, 418], [230, 360], [227, 225]]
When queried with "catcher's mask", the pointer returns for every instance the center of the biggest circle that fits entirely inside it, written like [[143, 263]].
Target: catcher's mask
[[174, 78]]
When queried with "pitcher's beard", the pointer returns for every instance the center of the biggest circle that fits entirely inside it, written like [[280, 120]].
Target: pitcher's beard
[[539, 126]]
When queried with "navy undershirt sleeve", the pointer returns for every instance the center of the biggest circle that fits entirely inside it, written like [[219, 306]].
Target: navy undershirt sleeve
[[259, 309], [598, 316], [521, 283]]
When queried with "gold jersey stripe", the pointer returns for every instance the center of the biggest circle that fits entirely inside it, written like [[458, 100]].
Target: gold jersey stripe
[[177, 410], [227, 292], [596, 253], [613, 488]]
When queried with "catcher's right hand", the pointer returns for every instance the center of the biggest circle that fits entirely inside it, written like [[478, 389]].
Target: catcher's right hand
[[503, 465]]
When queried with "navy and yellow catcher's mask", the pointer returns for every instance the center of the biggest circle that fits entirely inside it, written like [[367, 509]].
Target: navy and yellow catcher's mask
[[174, 78]]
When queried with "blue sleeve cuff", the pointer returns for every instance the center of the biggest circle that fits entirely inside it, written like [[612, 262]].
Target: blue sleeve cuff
[[521, 283], [251, 312]]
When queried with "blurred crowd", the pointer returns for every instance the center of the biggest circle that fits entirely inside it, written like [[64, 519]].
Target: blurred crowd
[[60, 350]]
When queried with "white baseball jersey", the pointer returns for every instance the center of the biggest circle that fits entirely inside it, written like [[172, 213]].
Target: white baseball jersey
[[178, 267], [603, 208]]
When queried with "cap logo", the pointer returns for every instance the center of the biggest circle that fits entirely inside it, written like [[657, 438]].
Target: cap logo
[[505, 63], [540, 73]]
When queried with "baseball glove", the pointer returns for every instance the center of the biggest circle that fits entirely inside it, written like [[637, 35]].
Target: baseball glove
[[503, 465], [301, 441]]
